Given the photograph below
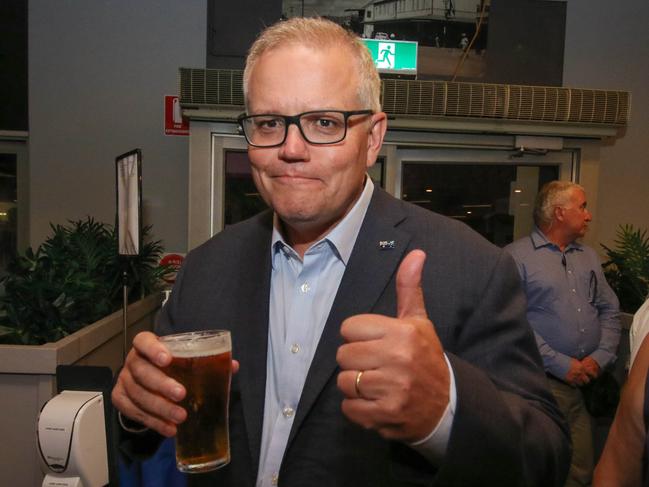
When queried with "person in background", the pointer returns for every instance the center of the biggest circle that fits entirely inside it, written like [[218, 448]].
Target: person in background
[[464, 42], [378, 344], [625, 460], [571, 307], [638, 331]]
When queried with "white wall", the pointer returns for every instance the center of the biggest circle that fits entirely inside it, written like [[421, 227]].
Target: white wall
[[98, 72], [607, 46]]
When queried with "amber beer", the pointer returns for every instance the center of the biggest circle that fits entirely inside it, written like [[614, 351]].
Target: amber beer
[[202, 362]]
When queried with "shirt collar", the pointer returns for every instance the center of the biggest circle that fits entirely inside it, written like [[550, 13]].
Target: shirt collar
[[343, 236], [540, 240]]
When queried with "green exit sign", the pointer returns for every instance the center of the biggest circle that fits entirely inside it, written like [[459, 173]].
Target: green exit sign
[[395, 57]]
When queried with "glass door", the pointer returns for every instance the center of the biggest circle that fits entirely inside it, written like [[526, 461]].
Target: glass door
[[241, 198], [492, 191], [488, 187], [13, 200]]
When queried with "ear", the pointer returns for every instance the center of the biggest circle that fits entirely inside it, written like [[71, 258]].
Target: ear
[[558, 214], [378, 127]]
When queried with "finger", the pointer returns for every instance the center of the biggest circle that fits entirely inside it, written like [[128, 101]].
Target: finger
[[360, 355], [151, 410], [364, 327], [235, 366], [371, 415], [347, 384], [131, 411], [359, 411], [149, 377], [150, 400], [410, 296], [148, 345]]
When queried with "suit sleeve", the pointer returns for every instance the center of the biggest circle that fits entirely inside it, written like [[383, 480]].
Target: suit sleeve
[[507, 428]]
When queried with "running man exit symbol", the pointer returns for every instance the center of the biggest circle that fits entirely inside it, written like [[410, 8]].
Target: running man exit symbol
[[386, 55]]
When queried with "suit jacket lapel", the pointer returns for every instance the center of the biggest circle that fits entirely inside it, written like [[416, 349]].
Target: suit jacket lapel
[[254, 291], [369, 270]]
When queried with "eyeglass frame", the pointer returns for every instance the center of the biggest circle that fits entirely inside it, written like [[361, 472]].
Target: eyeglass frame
[[295, 120]]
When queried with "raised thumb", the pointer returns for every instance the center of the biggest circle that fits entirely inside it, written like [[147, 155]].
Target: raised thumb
[[410, 296]]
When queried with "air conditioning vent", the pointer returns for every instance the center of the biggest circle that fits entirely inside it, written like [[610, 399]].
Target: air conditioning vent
[[510, 102], [222, 88], [211, 87]]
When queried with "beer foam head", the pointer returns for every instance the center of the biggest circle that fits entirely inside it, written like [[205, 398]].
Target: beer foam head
[[198, 343]]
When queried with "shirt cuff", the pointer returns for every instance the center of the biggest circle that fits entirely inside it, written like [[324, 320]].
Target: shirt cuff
[[433, 447], [559, 366], [602, 357]]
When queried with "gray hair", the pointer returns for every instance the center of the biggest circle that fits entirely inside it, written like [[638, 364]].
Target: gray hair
[[552, 194], [319, 33]]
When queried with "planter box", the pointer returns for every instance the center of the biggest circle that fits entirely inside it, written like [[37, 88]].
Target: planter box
[[28, 381]]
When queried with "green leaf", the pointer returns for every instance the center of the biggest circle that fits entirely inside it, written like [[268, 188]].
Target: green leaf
[[627, 267], [73, 279]]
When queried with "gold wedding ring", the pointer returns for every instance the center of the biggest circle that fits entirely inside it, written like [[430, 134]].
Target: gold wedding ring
[[358, 383]]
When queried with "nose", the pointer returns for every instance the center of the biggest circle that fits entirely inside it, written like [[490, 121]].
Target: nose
[[294, 148], [589, 216]]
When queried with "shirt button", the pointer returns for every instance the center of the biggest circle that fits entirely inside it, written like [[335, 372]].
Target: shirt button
[[305, 288], [274, 479], [579, 310], [288, 412], [569, 272], [574, 291], [295, 348]]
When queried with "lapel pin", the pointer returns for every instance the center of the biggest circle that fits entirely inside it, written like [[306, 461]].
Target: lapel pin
[[386, 244]]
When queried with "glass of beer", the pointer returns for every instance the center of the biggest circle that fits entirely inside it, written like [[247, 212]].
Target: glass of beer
[[202, 363]]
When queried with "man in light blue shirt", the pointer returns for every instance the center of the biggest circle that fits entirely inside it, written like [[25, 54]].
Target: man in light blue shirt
[[572, 309], [379, 344]]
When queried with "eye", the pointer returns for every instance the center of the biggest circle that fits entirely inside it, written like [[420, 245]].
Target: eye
[[267, 123], [323, 122]]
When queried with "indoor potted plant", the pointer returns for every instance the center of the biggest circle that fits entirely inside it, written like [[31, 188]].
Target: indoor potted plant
[[627, 267], [627, 272], [73, 279]]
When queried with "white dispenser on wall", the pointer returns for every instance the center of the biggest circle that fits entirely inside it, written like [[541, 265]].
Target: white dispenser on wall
[[72, 440]]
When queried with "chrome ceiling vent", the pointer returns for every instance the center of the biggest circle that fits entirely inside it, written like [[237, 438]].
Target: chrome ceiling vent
[[223, 88]]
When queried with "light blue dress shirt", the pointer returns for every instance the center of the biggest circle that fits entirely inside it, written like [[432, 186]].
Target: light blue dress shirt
[[301, 295], [570, 306]]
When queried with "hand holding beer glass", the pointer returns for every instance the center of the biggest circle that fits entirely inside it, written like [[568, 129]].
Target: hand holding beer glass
[[202, 363]]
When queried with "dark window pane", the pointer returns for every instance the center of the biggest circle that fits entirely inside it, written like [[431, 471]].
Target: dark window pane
[[242, 200], [478, 194], [8, 208], [377, 171]]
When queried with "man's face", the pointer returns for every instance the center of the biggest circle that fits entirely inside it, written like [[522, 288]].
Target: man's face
[[574, 216], [311, 187]]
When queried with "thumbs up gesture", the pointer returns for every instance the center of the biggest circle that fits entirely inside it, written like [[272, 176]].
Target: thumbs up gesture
[[403, 388]]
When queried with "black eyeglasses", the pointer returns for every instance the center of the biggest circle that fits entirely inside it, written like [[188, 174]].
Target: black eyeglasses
[[317, 126]]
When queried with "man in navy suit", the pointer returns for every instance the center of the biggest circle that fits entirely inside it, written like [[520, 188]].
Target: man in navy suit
[[378, 344]]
